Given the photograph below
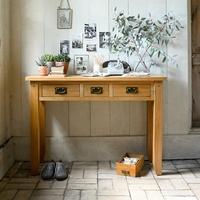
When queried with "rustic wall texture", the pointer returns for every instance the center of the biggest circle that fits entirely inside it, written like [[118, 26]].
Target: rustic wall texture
[[91, 131]]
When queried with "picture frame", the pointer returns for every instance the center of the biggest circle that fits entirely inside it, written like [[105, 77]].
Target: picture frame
[[64, 18], [81, 63], [65, 47]]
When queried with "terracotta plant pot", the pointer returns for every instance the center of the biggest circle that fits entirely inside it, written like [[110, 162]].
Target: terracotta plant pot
[[43, 71], [50, 64]]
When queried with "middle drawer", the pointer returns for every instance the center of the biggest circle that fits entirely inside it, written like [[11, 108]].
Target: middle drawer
[[90, 90]]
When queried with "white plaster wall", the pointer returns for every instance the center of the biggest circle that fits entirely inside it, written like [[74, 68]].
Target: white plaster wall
[[34, 32], [6, 152]]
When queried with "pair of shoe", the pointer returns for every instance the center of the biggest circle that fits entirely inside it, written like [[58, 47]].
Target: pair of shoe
[[55, 170]]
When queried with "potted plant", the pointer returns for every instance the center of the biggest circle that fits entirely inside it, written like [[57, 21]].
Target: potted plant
[[43, 69], [145, 38], [62, 60], [49, 59]]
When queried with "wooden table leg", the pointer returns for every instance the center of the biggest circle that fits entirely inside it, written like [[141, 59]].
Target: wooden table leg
[[42, 129], [35, 128], [149, 129], [158, 128]]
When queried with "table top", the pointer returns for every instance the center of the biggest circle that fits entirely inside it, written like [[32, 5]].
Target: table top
[[76, 78]]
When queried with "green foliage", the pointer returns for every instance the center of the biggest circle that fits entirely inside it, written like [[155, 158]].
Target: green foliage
[[41, 62], [143, 36], [62, 58], [48, 57]]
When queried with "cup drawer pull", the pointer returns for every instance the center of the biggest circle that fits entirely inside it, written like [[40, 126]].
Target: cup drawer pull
[[61, 90], [132, 90], [96, 90]]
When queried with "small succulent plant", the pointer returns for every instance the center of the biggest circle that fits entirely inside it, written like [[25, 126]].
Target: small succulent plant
[[48, 57], [41, 62], [62, 58]]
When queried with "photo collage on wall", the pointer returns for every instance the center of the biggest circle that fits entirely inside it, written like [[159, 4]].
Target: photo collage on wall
[[88, 39]]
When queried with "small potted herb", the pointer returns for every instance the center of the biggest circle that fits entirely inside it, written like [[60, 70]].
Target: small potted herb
[[62, 60], [43, 69], [49, 59]]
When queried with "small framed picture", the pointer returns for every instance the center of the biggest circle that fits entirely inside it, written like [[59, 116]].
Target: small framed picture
[[81, 63], [91, 47], [64, 47], [64, 18], [90, 31]]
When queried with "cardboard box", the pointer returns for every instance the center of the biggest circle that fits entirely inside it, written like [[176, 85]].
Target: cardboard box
[[130, 169]]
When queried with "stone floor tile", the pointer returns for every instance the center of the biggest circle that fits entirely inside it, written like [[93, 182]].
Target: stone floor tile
[[183, 162], [192, 180], [197, 193], [120, 183], [186, 173], [84, 165], [114, 198], [90, 173], [196, 172], [194, 186], [88, 195], [108, 176], [105, 184], [180, 198], [188, 166], [179, 184], [25, 180], [48, 197], [76, 173], [83, 180], [85, 186], [20, 186], [104, 165], [144, 187], [2, 185], [154, 195], [59, 184], [141, 181], [23, 195], [25, 165], [107, 171], [168, 165], [146, 173], [44, 184], [72, 194], [177, 193], [165, 184], [138, 194], [14, 169], [198, 160], [113, 192], [48, 192], [8, 194], [168, 174]]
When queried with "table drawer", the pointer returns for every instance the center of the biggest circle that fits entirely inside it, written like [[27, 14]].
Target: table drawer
[[99, 90], [132, 90], [60, 90]]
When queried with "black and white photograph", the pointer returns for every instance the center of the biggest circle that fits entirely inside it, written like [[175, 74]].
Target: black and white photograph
[[103, 39], [64, 47], [77, 42], [91, 47], [64, 18], [81, 63], [90, 31]]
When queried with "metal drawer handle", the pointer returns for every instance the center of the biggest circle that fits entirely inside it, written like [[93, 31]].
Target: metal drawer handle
[[132, 90], [61, 90], [96, 90]]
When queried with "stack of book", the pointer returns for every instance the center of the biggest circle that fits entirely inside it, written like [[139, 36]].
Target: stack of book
[[57, 71]]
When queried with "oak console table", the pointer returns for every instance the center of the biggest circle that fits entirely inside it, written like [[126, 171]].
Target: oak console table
[[76, 88]]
